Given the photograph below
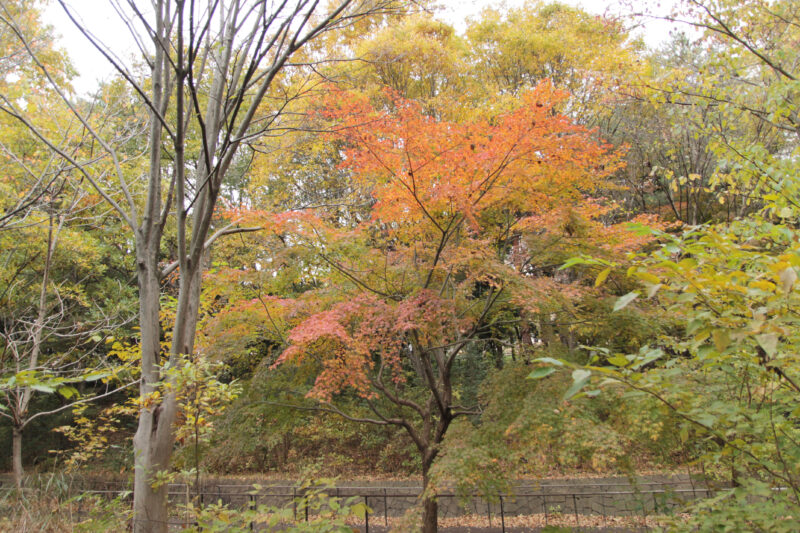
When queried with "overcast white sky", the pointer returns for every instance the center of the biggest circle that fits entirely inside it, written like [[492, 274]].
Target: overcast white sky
[[107, 26]]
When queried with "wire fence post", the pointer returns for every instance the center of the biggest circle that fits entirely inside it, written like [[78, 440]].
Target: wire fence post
[[489, 511], [294, 503], [385, 509], [252, 508], [502, 515], [366, 515], [188, 503], [575, 507]]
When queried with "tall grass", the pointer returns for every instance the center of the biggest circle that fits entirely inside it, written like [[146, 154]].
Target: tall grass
[[49, 503]]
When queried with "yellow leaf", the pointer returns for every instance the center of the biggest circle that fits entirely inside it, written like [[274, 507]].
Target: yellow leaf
[[648, 277], [722, 339], [763, 285], [602, 277]]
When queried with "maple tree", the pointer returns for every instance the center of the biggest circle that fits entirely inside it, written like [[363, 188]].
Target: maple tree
[[416, 286]]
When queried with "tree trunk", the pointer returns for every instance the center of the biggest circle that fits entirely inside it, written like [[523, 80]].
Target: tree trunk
[[149, 504], [16, 455], [430, 506], [152, 447], [152, 443], [24, 394], [154, 437], [430, 515]]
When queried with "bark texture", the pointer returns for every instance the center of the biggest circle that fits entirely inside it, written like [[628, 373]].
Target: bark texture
[[16, 455]]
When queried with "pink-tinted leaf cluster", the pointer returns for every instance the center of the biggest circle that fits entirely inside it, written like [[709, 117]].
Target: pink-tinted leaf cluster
[[366, 338]]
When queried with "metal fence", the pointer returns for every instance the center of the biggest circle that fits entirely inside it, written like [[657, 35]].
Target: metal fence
[[584, 507]]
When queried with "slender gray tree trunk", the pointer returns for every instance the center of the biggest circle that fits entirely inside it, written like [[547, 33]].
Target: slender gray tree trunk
[[16, 455], [25, 394], [154, 437], [152, 443]]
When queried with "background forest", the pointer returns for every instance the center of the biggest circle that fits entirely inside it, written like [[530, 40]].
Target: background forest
[[352, 240]]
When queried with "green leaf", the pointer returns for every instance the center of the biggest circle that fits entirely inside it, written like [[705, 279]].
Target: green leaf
[[768, 342], [571, 262], [540, 373], [641, 230], [618, 360], [359, 510], [549, 361], [68, 392], [94, 376], [705, 419], [580, 373], [647, 356], [622, 302], [694, 325], [43, 388], [722, 339], [580, 378], [704, 351]]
